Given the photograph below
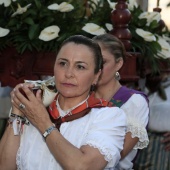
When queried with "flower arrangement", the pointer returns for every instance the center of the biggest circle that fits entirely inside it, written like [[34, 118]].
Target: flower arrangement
[[148, 38], [43, 24]]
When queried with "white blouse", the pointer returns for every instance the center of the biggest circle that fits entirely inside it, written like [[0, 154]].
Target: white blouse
[[137, 111], [159, 112], [102, 128]]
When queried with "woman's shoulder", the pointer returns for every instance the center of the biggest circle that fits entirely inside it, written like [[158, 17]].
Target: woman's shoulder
[[108, 113], [137, 99], [125, 95]]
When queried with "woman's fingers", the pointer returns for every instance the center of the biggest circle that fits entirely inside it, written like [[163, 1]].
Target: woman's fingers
[[39, 95]]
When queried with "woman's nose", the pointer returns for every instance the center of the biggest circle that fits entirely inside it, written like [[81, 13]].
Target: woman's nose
[[69, 72]]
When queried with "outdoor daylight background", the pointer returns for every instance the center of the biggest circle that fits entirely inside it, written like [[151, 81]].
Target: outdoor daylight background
[[165, 10]]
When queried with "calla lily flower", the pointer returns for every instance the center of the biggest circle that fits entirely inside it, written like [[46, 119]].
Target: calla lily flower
[[112, 4], [165, 48], [20, 10], [150, 16], [93, 4], [166, 38], [4, 32], [109, 26], [63, 7], [93, 29], [6, 2], [146, 35], [132, 4], [49, 33], [54, 6]]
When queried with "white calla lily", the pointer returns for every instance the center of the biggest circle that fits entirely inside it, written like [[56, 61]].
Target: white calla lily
[[4, 32], [146, 35], [20, 10], [132, 4], [5, 2], [53, 6], [165, 48], [63, 7], [109, 26], [93, 29], [112, 4], [93, 4], [166, 38], [150, 16], [49, 33]]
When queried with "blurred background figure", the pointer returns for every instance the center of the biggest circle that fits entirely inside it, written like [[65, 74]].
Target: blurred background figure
[[5, 105], [157, 155]]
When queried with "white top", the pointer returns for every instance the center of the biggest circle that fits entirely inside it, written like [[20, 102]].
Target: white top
[[137, 111], [159, 112], [102, 128]]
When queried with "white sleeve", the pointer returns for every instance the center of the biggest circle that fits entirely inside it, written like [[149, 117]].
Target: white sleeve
[[160, 112], [107, 133], [137, 111]]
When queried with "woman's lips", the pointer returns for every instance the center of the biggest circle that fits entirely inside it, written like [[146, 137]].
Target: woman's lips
[[68, 84]]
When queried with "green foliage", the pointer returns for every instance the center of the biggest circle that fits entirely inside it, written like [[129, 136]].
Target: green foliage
[[26, 28], [148, 50]]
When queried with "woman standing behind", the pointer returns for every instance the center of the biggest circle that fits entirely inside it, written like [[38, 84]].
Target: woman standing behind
[[91, 139], [134, 103]]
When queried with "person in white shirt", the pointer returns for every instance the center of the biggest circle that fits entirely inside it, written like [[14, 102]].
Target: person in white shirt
[[158, 127], [78, 131], [134, 103]]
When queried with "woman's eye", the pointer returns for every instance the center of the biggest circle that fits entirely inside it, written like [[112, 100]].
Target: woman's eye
[[104, 61], [80, 67], [62, 63]]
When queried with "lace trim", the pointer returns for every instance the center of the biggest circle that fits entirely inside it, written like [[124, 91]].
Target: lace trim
[[104, 151], [139, 131], [18, 159]]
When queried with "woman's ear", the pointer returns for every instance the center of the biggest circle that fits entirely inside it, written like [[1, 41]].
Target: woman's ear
[[119, 64], [97, 77]]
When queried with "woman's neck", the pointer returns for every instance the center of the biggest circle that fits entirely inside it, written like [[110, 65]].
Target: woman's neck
[[68, 103], [108, 91]]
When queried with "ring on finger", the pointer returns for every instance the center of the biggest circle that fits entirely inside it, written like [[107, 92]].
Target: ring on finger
[[21, 106]]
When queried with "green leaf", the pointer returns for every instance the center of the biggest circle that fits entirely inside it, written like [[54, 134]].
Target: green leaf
[[38, 4], [29, 21], [33, 31], [12, 22], [154, 24]]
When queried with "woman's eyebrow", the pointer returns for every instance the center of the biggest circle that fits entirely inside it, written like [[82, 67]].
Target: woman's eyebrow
[[81, 62], [77, 62]]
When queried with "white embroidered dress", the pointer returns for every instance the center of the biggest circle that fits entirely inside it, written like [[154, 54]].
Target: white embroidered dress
[[102, 128], [137, 111]]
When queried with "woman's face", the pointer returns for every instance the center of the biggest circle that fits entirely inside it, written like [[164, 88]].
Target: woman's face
[[109, 68], [74, 70]]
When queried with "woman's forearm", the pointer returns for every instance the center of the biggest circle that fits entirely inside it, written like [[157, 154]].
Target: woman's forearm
[[128, 144], [9, 145], [71, 157]]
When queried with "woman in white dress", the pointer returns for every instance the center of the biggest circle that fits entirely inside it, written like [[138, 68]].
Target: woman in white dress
[[89, 135], [134, 103]]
